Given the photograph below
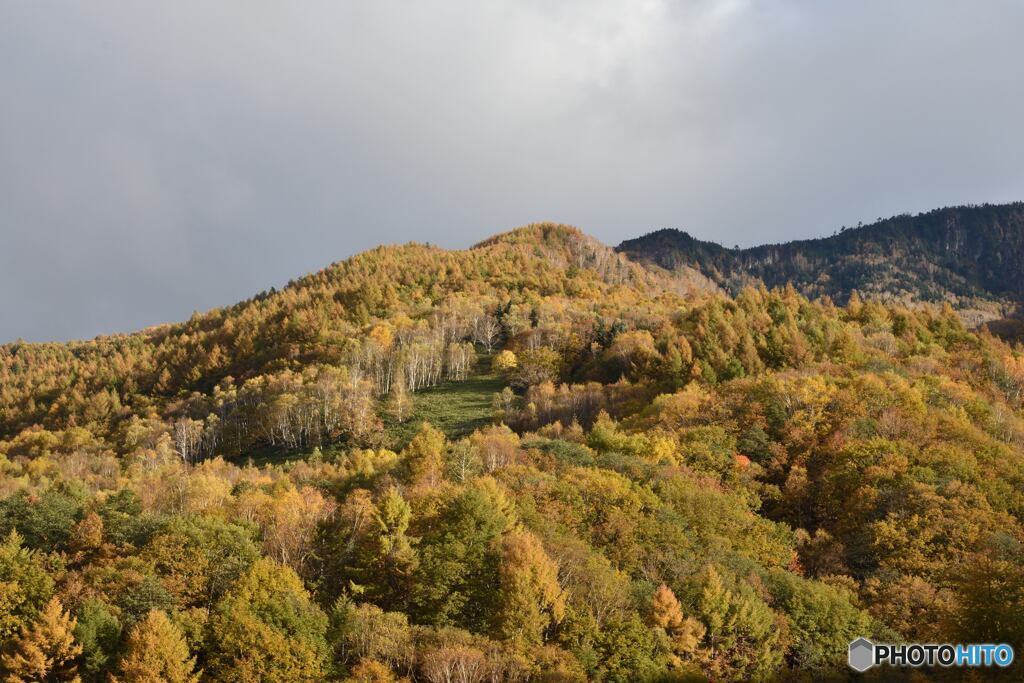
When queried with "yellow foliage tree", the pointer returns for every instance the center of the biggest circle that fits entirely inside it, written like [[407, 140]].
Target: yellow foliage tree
[[424, 456], [504, 361], [45, 651], [531, 598], [683, 632], [156, 652]]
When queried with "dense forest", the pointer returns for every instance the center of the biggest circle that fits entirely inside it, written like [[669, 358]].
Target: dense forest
[[537, 459], [971, 256]]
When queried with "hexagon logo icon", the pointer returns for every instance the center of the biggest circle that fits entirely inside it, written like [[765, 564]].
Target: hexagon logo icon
[[862, 655]]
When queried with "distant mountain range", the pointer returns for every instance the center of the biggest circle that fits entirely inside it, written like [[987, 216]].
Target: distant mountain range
[[971, 256]]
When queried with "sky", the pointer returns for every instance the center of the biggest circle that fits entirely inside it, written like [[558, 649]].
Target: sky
[[158, 158]]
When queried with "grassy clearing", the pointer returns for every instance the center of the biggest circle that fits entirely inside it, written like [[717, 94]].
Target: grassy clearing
[[270, 455], [456, 408]]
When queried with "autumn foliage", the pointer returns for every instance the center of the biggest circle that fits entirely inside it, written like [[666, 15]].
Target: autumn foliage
[[667, 483]]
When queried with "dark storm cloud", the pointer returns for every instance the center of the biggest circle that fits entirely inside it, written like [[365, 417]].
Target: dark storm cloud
[[157, 158]]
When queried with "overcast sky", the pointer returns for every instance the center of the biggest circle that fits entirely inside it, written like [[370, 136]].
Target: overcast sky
[[162, 157]]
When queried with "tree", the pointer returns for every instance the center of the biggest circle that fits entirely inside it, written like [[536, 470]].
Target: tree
[[290, 520], [992, 594], [367, 633], [497, 446], [267, 629], [424, 455], [634, 353], [504, 362], [198, 557], [741, 636], [455, 578], [626, 650], [822, 618], [714, 605], [99, 633], [486, 331], [371, 671], [156, 652], [393, 559], [531, 599], [399, 403], [87, 535], [502, 403], [24, 586], [188, 434], [46, 651], [536, 366], [684, 633], [43, 519], [455, 665]]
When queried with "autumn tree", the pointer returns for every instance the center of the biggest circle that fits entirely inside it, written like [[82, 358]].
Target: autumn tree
[[371, 671], [46, 650], [684, 633], [459, 663], [531, 601], [504, 361], [366, 633], [399, 403], [267, 629], [424, 455], [496, 446], [390, 559], [25, 586], [502, 404], [156, 651], [992, 594], [199, 557], [87, 535], [536, 366], [486, 331]]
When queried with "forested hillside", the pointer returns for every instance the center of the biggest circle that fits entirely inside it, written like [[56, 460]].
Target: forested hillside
[[972, 256], [532, 460]]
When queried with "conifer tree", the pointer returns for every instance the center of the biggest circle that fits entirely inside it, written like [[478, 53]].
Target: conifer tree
[[99, 633], [424, 455], [531, 599], [684, 633], [394, 558], [24, 586], [45, 651], [157, 652], [713, 604]]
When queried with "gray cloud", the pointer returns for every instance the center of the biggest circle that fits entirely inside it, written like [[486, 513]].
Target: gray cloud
[[157, 158]]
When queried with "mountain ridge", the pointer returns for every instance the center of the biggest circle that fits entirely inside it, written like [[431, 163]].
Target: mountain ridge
[[906, 258], [971, 256]]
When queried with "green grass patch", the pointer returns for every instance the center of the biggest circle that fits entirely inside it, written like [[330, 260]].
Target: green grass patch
[[278, 455], [456, 408]]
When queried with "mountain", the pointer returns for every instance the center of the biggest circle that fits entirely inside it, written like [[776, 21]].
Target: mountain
[[538, 458], [971, 256]]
